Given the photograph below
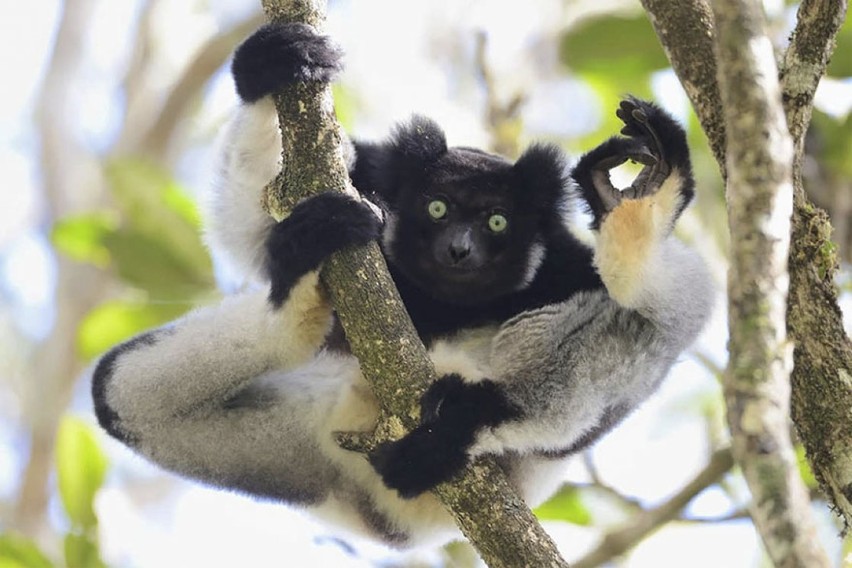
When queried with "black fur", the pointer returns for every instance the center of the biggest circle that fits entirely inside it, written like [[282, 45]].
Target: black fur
[[107, 417], [281, 54], [653, 138], [315, 229], [453, 271], [498, 279], [436, 451]]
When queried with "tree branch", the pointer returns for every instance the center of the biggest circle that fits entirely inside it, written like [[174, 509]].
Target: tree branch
[[379, 331], [821, 400], [685, 29], [617, 542], [760, 197], [822, 374]]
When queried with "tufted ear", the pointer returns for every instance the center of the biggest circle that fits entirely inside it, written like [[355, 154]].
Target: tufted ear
[[541, 174], [404, 159], [419, 142]]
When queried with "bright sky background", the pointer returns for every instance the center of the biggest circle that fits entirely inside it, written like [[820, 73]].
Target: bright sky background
[[648, 457]]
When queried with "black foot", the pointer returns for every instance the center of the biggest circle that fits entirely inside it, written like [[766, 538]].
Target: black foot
[[654, 139], [452, 412], [281, 54], [419, 461], [316, 228]]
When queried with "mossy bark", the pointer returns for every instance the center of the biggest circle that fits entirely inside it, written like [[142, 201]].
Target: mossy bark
[[393, 360]]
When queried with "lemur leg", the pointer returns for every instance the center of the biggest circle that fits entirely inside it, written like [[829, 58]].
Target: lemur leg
[[633, 223]]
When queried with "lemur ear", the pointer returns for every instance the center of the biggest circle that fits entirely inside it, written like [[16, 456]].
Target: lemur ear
[[541, 173], [403, 160], [413, 148], [419, 142]]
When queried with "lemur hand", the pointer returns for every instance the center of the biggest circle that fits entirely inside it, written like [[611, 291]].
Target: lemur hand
[[317, 227], [281, 54], [452, 412], [653, 138]]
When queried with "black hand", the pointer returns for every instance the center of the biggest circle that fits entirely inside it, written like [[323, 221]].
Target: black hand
[[317, 227], [453, 411], [282, 54]]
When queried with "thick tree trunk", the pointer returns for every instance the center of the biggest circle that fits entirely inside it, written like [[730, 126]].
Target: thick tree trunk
[[821, 385], [760, 199]]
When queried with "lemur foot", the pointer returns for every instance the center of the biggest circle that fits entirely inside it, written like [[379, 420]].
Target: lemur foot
[[636, 116], [281, 54], [654, 139], [452, 412], [317, 227]]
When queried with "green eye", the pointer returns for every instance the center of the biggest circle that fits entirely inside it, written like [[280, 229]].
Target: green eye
[[498, 223], [437, 209]]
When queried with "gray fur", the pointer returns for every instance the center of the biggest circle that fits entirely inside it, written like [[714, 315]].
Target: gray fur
[[242, 397]]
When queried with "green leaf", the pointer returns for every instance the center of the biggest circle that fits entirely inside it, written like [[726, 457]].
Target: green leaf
[[566, 505], [841, 60], [835, 142], [115, 321], [82, 551], [345, 106], [19, 552], [625, 49], [805, 470], [81, 466], [81, 237], [154, 205], [150, 263]]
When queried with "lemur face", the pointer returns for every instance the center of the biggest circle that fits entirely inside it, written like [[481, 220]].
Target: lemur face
[[464, 230]]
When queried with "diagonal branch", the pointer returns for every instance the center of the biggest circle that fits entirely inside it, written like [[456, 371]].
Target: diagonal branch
[[617, 542], [392, 358], [156, 140]]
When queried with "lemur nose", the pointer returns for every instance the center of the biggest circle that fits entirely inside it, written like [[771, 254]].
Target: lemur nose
[[459, 251]]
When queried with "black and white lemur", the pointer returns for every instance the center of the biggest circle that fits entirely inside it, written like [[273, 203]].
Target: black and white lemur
[[542, 343]]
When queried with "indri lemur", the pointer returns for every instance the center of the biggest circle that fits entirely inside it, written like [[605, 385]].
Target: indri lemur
[[542, 343]]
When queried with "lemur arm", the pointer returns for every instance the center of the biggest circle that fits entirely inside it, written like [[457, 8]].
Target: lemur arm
[[274, 56], [567, 373]]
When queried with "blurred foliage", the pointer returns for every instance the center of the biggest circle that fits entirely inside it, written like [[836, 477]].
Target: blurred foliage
[[805, 468], [19, 552], [81, 466], [567, 505], [150, 241], [835, 142], [841, 60], [80, 470], [621, 64]]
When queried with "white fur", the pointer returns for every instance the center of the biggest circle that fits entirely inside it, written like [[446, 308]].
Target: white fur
[[244, 397], [249, 158]]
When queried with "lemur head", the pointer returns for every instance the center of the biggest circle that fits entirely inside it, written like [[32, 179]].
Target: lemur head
[[465, 225]]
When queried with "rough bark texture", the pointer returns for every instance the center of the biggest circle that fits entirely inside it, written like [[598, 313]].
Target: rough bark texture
[[686, 33], [821, 386], [822, 372], [760, 197], [392, 358]]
